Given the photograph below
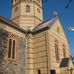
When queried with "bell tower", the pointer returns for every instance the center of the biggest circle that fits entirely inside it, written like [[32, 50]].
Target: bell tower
[[27, 13]]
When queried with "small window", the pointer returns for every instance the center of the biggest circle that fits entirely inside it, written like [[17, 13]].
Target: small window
[[38, 71], [38, 10], [9, 49], [64, 54], [27, 8], [52, 71], [56, 51], [58, 29], [13, 51], [16, 9]]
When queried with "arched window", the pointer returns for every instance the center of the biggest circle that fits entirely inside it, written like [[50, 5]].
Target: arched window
[[16, 9], [27, 8], [11, 48], [58, 29], [38, 10], [56, 51], [64, 54], [38, 71]]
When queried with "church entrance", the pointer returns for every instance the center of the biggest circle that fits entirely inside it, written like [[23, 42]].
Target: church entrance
[[52, 72]]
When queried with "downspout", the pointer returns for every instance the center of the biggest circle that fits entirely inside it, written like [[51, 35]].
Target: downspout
[[34, 13], [46, 52], [26, 35]]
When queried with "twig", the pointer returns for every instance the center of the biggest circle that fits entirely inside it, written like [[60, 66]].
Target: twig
[[68, 3]]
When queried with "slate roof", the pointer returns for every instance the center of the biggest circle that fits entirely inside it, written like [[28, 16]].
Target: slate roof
[[46, 24], [12, 24], [64, 62]]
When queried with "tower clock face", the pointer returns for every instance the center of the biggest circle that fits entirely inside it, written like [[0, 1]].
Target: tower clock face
[[38, 10]]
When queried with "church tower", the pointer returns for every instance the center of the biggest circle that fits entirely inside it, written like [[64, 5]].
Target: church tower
[[27, 13]]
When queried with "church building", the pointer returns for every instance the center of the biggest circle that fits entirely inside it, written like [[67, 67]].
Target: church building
[[34, 46]]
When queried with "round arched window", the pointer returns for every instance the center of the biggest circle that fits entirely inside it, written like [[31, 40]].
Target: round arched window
[[38, 71], [16, 9], [38, 10], [27, 8]]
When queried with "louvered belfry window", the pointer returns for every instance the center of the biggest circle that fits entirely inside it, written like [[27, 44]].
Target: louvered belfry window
[[27, 8]]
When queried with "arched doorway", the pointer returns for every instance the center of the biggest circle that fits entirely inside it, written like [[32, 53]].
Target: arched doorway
[[52, 71], [38, 71]]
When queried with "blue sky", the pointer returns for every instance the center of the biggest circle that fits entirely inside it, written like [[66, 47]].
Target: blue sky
[[66, 15]]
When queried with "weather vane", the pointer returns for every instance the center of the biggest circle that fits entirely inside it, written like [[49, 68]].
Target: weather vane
[[68, 3]]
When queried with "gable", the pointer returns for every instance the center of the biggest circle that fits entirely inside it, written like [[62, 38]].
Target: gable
[[58, 29]]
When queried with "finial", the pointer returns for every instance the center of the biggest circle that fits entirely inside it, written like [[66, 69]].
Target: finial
[[55, 13]]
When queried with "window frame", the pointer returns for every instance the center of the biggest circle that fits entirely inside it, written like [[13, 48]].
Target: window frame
[[56, 51], [16, 9], [64, 52], [12, 52], [27, 8]]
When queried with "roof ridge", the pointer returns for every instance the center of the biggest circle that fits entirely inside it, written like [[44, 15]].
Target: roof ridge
[[11, 23], [41, 23]]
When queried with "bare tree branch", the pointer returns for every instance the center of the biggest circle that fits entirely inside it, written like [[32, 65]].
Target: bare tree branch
[[68, 3]]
